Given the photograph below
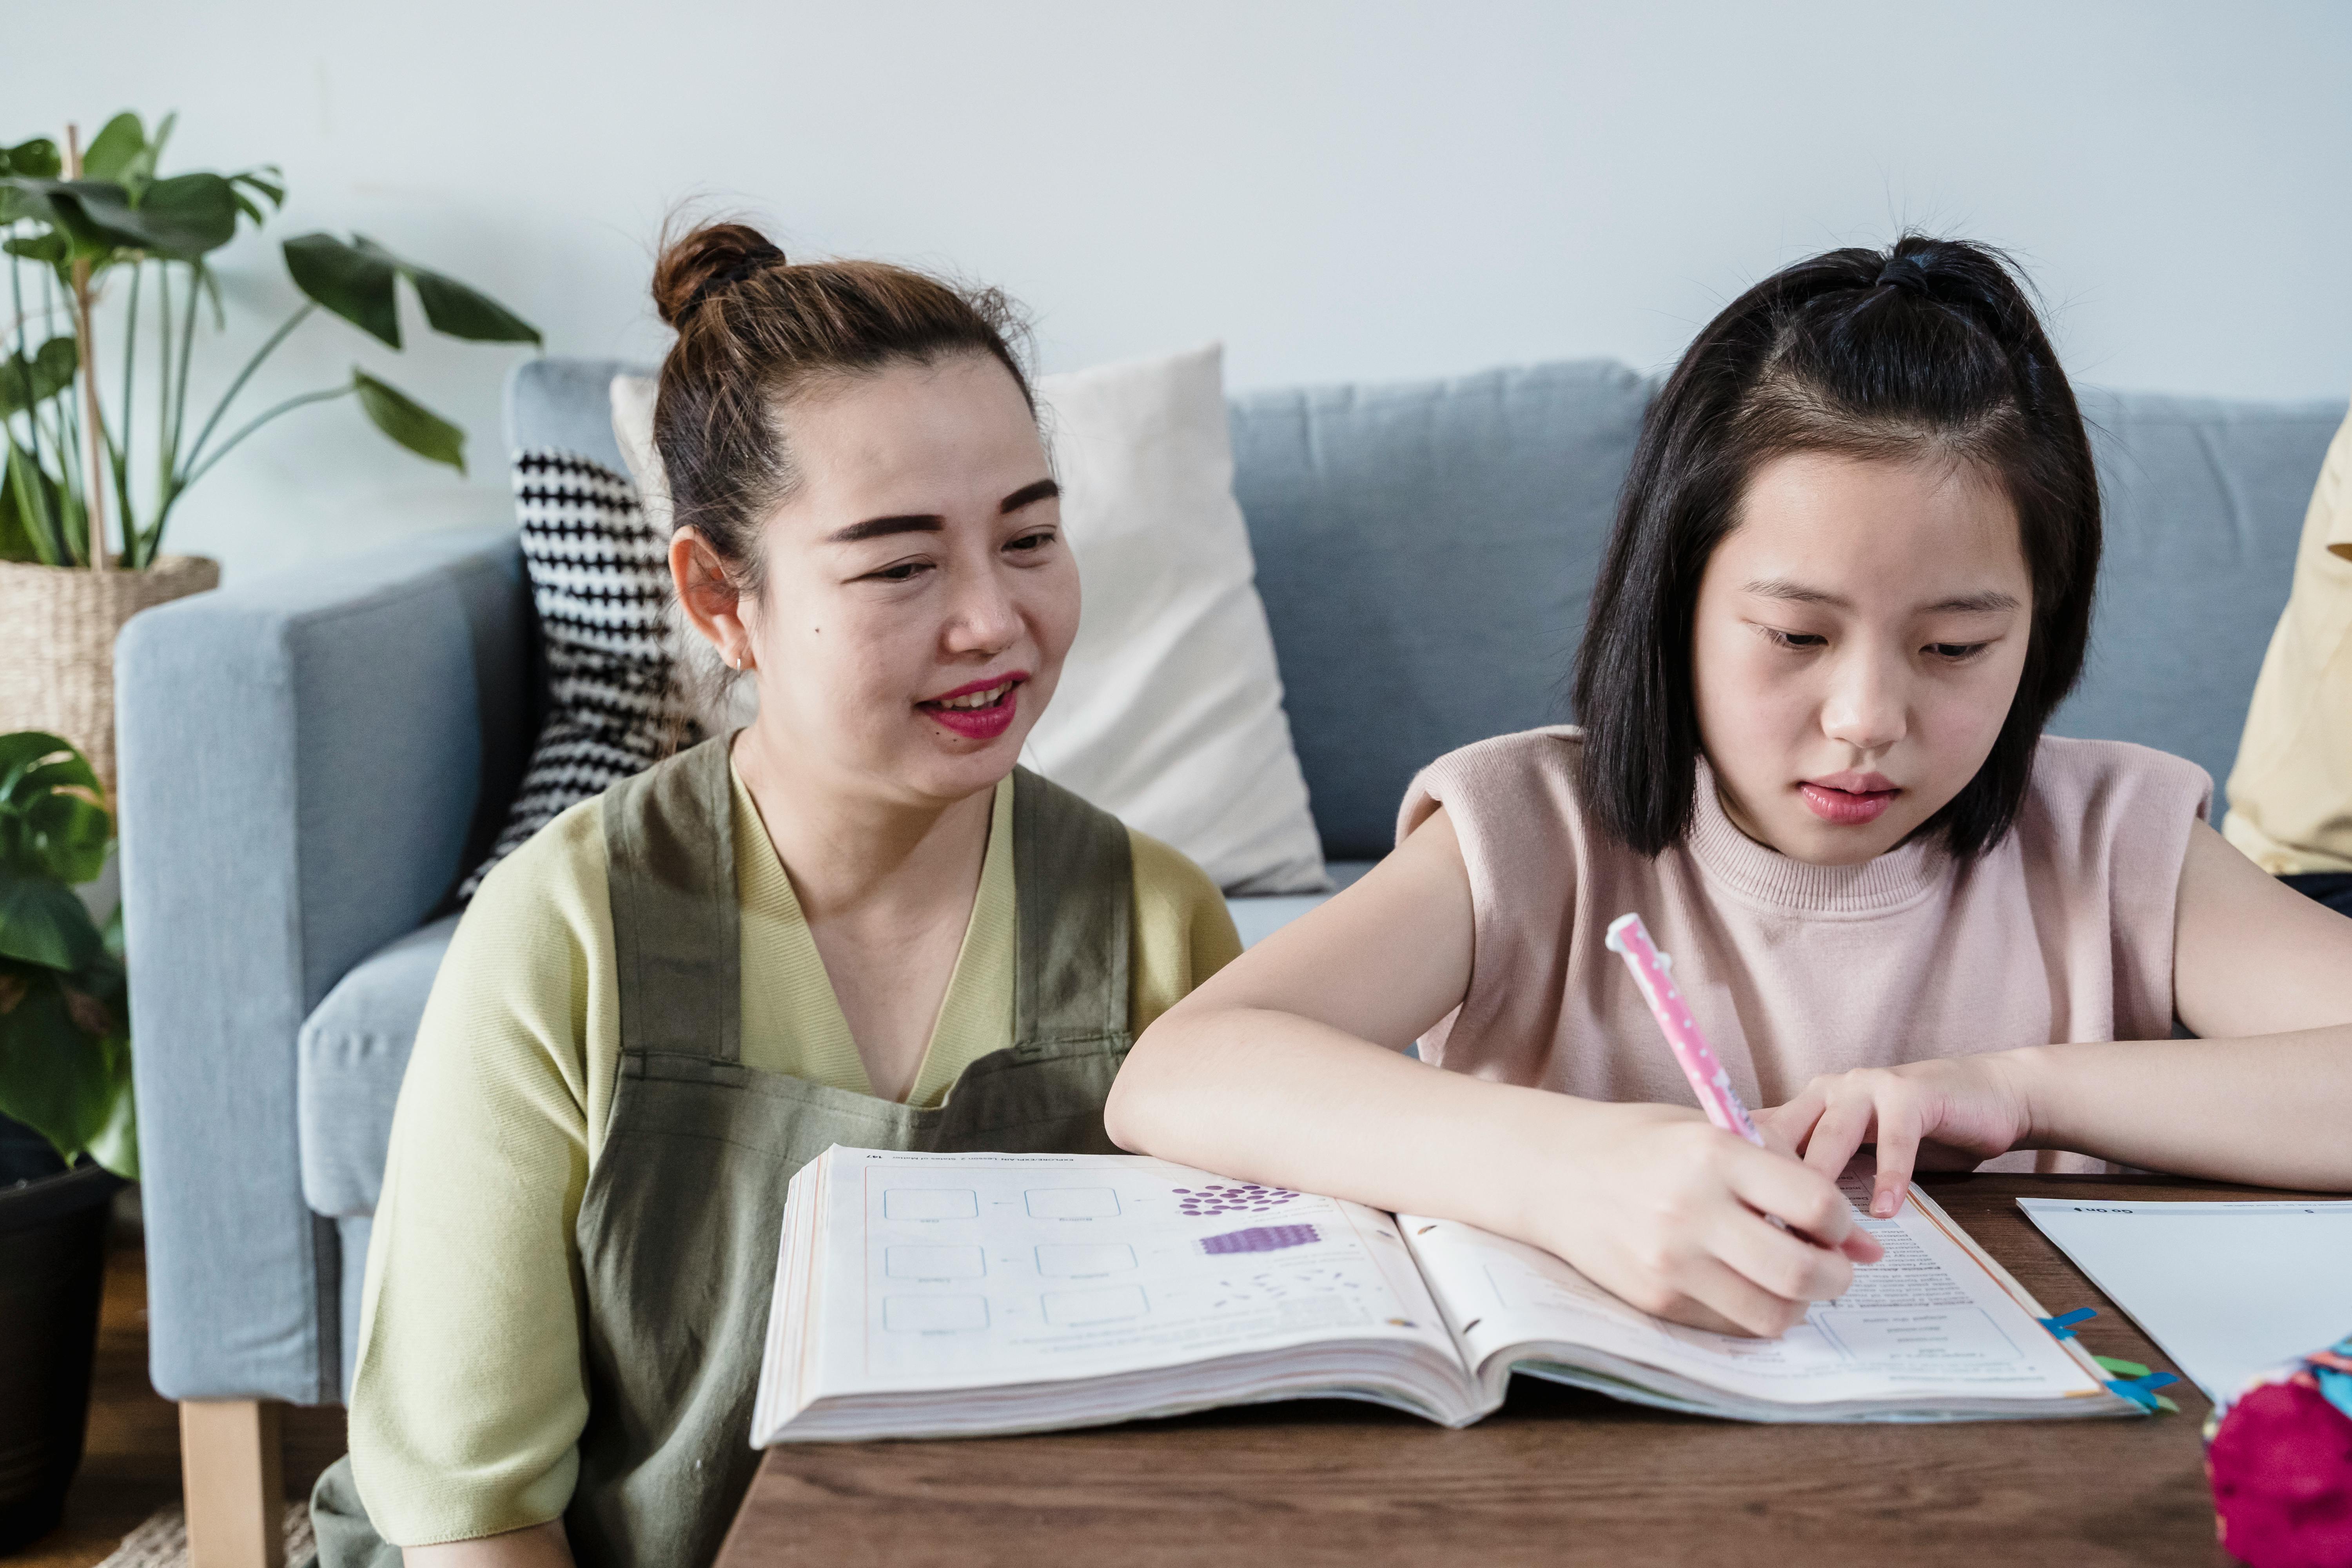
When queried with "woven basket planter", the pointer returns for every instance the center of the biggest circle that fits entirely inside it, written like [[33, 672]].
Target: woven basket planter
[[58, 626]]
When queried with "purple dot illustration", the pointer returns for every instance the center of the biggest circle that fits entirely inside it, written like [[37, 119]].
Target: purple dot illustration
[[1231, 1198], [1262, 1238]]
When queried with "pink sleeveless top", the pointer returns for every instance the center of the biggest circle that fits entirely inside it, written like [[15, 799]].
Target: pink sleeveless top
[[2062, 932]]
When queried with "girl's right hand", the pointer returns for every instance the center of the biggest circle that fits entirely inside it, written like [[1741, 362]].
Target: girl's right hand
[[1669, 1212]]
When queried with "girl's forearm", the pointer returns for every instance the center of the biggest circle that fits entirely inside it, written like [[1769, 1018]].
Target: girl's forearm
[[1272, 1097], [2274, 1111]]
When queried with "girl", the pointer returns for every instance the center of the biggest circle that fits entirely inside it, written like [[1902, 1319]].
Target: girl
[[1851, 578], [854, 922]]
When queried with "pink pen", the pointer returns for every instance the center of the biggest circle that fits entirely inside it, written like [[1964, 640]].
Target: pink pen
[[1630, 939]]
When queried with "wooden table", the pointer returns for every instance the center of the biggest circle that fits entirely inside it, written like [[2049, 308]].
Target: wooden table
[[1557, 1476]]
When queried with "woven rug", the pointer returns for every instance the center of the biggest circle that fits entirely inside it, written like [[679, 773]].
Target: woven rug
[[162, 1540]]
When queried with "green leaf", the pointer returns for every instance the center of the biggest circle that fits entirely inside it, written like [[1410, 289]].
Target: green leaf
[[453, 307], [410, 422], [96, 216], [51, 202], [114, 151], [37, 159], [354, 279], [51, 823], [188, 215], [66, 1082], [29, 383], [39, 509], [68, 833], [265, 180], [353, 283], [468, 314], [17, 541], [44, 922], [34, 760], [155, 143], [52, 248]]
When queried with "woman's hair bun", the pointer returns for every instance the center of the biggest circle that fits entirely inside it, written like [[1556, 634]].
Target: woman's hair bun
[[705, 261]]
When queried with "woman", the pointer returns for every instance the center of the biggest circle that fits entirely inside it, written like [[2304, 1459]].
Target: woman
[[855, 922]]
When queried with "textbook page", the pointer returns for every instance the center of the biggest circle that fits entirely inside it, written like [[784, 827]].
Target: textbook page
[[2227, 1289], [1932, 1329], [967, 1271]]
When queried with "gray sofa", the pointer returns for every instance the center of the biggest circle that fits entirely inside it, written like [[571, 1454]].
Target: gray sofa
[[311, 758]]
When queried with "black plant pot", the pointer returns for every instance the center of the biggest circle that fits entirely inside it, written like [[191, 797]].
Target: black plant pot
[[52, 1266]]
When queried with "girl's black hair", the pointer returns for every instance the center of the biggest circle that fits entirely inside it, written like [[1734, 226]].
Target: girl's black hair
[[1927, 350]]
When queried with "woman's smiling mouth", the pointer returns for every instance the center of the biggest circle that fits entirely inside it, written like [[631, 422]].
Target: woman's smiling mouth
[[981, 710]]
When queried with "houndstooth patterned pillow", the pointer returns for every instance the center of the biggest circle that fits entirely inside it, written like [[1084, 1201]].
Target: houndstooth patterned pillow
[[600, 577]]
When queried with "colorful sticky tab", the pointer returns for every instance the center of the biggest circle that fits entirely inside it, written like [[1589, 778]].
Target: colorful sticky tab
[[2062, 1327], [2121, 1367], [2142, 1390]]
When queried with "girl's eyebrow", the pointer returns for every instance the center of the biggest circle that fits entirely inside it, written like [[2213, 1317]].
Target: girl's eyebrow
[[1990, 601], [1797, 592]]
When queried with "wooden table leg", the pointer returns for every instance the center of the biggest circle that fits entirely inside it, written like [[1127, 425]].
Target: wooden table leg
[[233, 1483]]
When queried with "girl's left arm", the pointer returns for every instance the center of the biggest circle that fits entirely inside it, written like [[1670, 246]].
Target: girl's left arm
[[2262, 973]]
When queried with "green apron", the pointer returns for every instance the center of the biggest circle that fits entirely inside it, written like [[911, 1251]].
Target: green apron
[[678, 1228]]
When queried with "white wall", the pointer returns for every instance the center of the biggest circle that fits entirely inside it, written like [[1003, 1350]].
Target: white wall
[[1338, 190]]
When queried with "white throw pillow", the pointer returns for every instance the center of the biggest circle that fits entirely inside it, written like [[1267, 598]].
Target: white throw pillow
[[1169, 710], [633, 430], [1168, 714]]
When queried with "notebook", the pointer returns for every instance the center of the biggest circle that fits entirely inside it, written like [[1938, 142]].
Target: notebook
[[2226, 1288], [940, 1295]]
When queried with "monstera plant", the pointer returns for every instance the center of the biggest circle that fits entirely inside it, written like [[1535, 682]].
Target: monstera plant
[[65, 1032], [116, 232]]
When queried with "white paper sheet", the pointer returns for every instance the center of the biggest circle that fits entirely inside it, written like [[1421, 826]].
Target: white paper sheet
[[2227, 1289]]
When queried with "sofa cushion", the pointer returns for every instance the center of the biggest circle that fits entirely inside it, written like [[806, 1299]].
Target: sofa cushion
[[1425, 551], [600, 580], [348, 1063], [2204, 503], [565, 405]]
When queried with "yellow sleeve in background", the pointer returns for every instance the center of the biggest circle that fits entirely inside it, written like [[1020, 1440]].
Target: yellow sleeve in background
[[2291, 792], [1183, 933]]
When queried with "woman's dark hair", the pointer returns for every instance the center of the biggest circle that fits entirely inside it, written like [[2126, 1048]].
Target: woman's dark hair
[[1929, 350], [754, 332]]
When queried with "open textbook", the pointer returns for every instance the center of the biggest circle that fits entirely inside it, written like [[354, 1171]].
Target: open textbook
[[942, 1295]]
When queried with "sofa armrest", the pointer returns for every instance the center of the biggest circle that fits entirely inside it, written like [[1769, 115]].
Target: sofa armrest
[[305, 760]]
